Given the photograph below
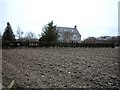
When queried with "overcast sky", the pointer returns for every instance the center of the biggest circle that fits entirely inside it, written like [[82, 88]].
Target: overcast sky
[[92, 17]]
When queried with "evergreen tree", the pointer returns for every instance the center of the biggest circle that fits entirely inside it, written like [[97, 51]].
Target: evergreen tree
[[49, 33], [8, 34]]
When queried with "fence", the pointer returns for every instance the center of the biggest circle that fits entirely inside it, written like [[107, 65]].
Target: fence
[[20, 44]]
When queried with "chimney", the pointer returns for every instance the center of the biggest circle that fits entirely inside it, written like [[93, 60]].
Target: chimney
[[75, 27]]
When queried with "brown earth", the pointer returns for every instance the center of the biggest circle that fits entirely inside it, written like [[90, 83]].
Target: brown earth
[[61, 67]]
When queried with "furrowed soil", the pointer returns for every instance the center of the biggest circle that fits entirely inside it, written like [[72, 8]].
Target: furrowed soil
[[60, 67]]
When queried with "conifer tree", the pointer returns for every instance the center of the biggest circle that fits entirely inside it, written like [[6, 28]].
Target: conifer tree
[[8, 34], [49, 33]]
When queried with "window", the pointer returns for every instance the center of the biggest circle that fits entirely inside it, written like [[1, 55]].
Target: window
[[64, 30], [60, 35], [74, 36]]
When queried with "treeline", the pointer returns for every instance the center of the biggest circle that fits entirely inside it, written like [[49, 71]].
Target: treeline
[[49, 37], [103, 40]]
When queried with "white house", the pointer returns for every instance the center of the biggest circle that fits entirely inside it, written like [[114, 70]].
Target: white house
[[69, 35]]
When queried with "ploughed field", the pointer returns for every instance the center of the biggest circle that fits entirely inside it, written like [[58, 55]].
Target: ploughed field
[[61, 67]]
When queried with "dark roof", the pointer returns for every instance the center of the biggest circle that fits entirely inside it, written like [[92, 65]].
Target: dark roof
[[67, 29]]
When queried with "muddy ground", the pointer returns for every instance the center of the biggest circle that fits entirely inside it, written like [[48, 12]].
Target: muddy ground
[[61, 67]]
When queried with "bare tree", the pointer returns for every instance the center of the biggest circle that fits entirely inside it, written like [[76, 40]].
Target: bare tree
[[30, 35], [19, 33], [90, 40]]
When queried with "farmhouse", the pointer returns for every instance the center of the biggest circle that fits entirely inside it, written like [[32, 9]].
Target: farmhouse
[[68, 35]]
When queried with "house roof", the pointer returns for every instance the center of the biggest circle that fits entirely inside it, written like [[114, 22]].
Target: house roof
[[67, 29], [105, 38]]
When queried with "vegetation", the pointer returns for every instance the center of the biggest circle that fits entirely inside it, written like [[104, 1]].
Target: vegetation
[[103, 40], [49, 38], [19, 33], [49, 33], [8, 34], [30, 36]]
